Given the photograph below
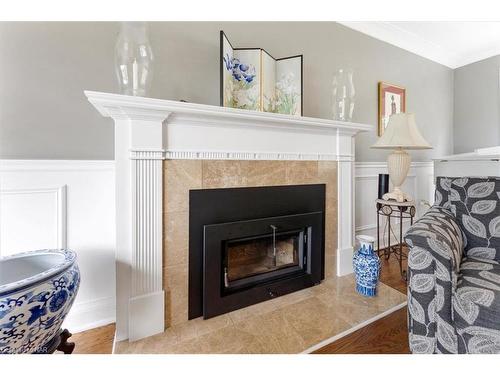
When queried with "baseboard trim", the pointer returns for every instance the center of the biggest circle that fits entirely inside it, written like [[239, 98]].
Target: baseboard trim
[[91, 314], [353, 329], [94, 324], [113, 349]]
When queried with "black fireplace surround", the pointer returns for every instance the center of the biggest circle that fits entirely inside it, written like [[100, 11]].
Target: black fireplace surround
[[248, 245]]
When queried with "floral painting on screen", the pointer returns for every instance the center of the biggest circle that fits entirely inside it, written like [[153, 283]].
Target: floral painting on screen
[[287, 96], [252, 79], [242, 86]]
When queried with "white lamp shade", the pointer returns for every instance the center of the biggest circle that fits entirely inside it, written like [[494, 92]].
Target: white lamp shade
[[402, 132]]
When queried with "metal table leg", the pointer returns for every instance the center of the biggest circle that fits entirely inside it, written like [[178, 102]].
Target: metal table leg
[[378, 233], [387, 250], [403, 272]]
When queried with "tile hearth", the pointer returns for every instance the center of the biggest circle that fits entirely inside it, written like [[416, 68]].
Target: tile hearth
[[288, 324]]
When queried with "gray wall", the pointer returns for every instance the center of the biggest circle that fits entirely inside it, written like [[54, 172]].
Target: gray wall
[[477, 105], [44, 68]]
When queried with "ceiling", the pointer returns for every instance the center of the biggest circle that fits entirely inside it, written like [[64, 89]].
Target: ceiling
[[450, 43]]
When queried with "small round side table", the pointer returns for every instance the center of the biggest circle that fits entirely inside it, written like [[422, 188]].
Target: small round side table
[[398, 210]]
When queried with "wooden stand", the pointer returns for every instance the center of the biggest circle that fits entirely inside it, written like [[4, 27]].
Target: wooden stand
[[59, 342], [65, 346]]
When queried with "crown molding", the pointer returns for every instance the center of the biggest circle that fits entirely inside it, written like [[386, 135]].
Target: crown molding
[[388, 32], [392, 34]]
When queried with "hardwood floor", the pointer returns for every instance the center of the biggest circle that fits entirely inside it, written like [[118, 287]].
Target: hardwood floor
[[94, 341], [388, 335], [390, 274]]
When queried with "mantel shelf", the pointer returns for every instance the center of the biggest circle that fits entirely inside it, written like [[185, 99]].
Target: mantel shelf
[[134, 107]]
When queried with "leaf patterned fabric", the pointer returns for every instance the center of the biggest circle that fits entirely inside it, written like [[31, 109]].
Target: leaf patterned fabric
[[454, 269], [433, 263], [442, 193], [475, 208], [476, 306]]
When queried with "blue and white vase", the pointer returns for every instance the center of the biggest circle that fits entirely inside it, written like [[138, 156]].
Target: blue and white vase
[[366, 266]]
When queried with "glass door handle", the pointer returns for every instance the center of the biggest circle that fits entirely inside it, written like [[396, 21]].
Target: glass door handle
[[226, 278], [274, 228]]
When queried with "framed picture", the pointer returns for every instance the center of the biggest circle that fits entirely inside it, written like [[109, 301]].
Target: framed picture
[[251, 78], [391, 100]]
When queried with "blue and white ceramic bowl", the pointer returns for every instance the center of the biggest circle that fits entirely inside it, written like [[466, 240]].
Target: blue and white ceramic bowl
[[37, 289]]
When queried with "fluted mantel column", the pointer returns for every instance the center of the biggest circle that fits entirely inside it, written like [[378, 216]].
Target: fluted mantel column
[[139, 147]]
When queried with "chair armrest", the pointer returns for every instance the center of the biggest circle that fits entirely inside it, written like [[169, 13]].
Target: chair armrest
[[435, 252]]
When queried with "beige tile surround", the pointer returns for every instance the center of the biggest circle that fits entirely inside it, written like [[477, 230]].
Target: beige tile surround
[[180, 176], [288, 324]]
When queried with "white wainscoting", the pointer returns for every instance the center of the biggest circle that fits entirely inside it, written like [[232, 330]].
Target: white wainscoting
[[419, 184], [71, 203], [65, 203]]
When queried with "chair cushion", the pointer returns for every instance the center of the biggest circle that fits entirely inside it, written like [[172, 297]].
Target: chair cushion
[[475, 202], [476, 306]]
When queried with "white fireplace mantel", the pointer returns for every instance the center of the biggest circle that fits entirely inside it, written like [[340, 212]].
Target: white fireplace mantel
[[147, 131]]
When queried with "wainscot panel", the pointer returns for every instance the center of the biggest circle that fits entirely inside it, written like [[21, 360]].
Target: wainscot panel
[[419, 184], [65, 203]]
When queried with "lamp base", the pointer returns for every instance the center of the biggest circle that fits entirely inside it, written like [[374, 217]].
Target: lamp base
[[398, 164], [397, 195]]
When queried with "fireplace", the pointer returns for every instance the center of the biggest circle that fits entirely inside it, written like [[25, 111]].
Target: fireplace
[[163, 149], [248, 245]]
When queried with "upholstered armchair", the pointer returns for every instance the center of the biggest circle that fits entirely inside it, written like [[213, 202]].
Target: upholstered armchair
[[454, 269]]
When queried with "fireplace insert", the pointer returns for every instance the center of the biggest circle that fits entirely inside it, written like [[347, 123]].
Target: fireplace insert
[[242, 254], [253, 259]]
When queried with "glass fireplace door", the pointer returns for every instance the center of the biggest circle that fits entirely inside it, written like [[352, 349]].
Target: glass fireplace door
[[255, 259]]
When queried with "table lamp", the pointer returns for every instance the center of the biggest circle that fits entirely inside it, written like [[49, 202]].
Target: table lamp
[[401, 133]]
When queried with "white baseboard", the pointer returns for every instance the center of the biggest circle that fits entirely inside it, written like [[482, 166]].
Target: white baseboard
[[113, 349], [90, 314]]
